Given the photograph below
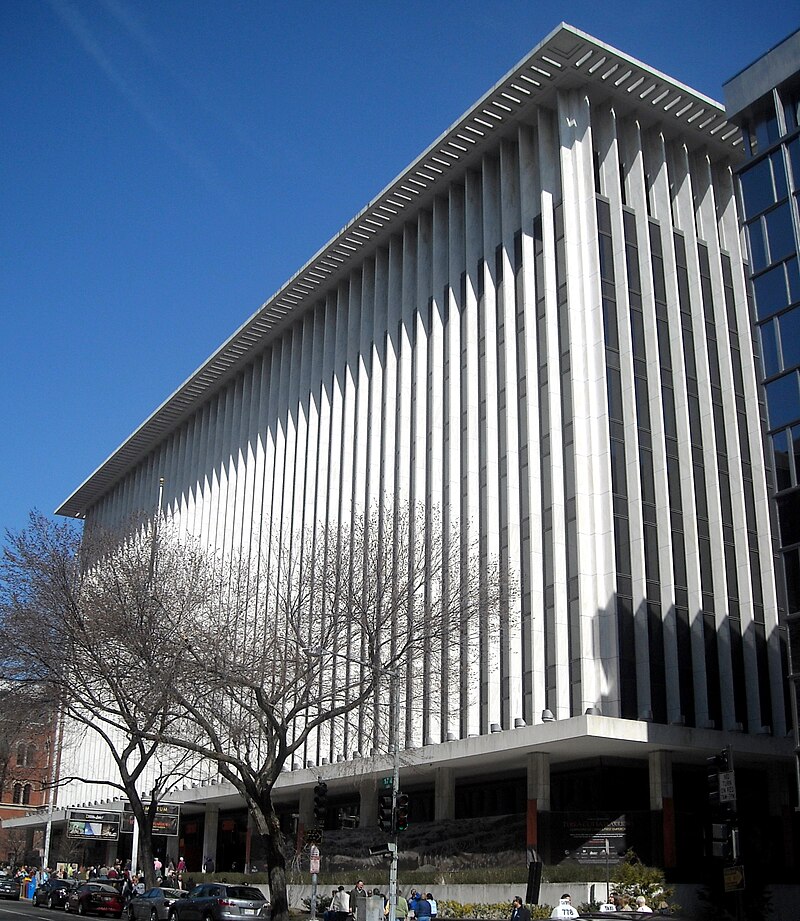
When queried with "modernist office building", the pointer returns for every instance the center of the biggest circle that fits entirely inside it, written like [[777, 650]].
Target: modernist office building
[[764, 99], [542, 326]]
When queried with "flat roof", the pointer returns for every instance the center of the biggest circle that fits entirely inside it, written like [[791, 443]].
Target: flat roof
[[565, 59], [759, 78]]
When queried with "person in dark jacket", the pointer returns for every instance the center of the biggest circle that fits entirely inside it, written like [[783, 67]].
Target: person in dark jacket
[[423, 909], [518, 910]]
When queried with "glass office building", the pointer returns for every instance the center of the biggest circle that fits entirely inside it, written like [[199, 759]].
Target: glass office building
[[764, 99]]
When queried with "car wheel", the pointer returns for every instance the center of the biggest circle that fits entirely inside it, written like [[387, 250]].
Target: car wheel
[[81, 908], [51, 902], [153, 915]]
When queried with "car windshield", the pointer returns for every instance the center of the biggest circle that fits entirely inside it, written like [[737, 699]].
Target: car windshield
[[173, 893], [100, 887], [244, 892]]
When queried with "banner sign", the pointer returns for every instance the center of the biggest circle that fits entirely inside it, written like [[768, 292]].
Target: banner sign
[[165, 821], [93, 825]]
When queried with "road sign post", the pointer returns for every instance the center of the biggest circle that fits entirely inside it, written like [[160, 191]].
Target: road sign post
[[313, 853]]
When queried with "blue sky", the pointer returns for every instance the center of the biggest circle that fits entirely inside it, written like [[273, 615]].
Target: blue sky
[[167, 164]]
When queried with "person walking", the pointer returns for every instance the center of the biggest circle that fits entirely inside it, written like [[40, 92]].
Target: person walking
[[434, 906], [358, 902], [401, 910], [518, 910], [423, 909], [340, 904]]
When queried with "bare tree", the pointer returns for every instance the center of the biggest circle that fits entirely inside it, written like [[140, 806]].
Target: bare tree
[[87, 618], [298, 657]]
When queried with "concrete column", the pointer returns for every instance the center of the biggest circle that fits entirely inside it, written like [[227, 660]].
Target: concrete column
[[662, 807], [444, 798], [368, 804], [210, 829], [538, 813]]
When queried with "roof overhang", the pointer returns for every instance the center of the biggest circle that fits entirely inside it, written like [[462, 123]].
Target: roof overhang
[[579, 739], [566, 59]]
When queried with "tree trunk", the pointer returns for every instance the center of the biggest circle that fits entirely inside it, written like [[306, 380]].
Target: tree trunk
[[144, 820], [269, 831]]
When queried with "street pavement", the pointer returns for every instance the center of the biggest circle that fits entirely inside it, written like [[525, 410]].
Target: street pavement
[[25, 911]]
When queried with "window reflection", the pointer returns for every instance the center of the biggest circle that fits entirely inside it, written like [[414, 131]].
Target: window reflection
[[769, 348], [783, 400], [770, 291], [790, 338], [780, 233], [780, 454]]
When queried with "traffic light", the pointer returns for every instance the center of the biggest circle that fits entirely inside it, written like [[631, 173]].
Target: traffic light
[[385, 812], [716, 765], [401, 812], [320, 802], [725, 840]]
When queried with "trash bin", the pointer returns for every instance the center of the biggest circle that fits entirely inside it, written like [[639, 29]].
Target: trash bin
[[29, 888]]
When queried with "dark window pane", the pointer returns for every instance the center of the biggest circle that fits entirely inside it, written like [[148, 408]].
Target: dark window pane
[[618, 483], [783, 400], [769, 348], [614, 394], [779, 176], [758, 249], [791, 563], [767, 129], [757, 188], [780, 232], [648, 481], [789, 518], [790, 337], [770, 291], [794, 279], [794, 156], [795, 435], [780, 453]]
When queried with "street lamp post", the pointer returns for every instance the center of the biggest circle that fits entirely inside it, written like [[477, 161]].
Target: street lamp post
[[394, 685]]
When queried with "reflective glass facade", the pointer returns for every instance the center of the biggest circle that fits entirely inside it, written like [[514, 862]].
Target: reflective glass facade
[[769, 188]]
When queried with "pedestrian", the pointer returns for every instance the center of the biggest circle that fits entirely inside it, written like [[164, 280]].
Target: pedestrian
[[401, 909], [341, 904], [564, 908], [423, 909], [518, 910], [434, 906], [358, 902], [641, 904], [413, 901], [181, 865]]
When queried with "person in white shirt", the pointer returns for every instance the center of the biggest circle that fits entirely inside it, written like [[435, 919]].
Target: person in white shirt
[[641, 904]]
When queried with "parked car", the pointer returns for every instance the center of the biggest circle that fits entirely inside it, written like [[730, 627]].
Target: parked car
[[95, 898], [53, 892], [9, 887], [154, 904], [220, 902]]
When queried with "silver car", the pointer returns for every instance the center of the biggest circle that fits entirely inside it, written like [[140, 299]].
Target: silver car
[[154, 904], [220, 902]]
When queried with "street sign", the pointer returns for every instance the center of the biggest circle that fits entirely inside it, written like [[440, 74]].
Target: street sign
[[727, 787], [387, 781], [314, 864], [734, 879]]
